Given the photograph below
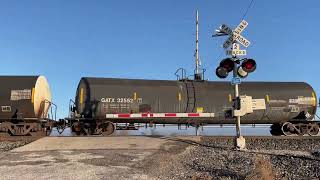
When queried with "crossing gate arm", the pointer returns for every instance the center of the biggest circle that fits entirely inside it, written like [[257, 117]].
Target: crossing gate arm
[[159, 115]]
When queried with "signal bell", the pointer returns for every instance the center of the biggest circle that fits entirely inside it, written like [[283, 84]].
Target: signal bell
[[226, 66], [241, 72]]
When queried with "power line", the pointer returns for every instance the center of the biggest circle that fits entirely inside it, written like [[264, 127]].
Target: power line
[[245, 14]]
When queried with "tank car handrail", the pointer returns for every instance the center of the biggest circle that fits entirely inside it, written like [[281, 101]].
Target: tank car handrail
[[72, 104], [55, 110], [51, 105], [183, 74], [189, 76], [72, 101]]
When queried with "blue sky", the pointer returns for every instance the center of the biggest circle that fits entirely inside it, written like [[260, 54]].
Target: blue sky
[[65, 40]]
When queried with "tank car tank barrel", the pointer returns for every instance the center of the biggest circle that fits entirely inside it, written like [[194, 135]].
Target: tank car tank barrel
[[97, 97], [25, 103]]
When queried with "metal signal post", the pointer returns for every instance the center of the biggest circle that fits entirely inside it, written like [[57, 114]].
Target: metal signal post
[[241, 103], [236, 95]]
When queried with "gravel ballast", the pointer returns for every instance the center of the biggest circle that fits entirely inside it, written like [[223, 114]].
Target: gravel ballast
[[265, 158], [9, 145]]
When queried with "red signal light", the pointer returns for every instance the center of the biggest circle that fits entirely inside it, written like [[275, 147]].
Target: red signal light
[[228, 64], [249, 65]]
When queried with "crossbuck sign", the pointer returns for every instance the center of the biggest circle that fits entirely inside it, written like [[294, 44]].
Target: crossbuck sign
[[235, 35]]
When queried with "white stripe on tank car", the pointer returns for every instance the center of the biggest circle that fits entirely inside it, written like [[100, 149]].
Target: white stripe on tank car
[[160, 115]]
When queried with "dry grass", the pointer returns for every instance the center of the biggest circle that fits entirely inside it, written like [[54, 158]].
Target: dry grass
[[203, 176], [262, 171]]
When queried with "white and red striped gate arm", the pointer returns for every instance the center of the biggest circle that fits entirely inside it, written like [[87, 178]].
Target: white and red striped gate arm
[[160, 115]]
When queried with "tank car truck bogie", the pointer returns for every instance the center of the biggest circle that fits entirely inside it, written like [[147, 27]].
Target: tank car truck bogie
[[299, 128], [89, 127]]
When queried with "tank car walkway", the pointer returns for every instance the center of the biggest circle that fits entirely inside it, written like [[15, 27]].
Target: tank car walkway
[[86, 157]]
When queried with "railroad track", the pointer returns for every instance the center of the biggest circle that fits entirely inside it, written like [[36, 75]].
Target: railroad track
[[18, 138], [33, 138], [266, 137]]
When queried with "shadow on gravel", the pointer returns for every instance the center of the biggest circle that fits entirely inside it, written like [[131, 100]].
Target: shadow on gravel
[[289, 159], [310, 156], [191, 142]]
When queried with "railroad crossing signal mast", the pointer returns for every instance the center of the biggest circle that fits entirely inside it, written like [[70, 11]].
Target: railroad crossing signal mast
[[198, 71], [197, 43], [239, 71]]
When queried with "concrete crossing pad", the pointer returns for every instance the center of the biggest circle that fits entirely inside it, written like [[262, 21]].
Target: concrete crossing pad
[[94, 143], [88, 157]]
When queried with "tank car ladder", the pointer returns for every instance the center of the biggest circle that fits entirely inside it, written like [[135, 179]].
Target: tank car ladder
[[191, 96]]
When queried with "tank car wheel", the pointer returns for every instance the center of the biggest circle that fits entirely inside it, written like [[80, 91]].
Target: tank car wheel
[[106, 128], [87, 129], [288, 129], [76, 129], [300, 129], [314, 130], [48, 130], [275, 130]]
